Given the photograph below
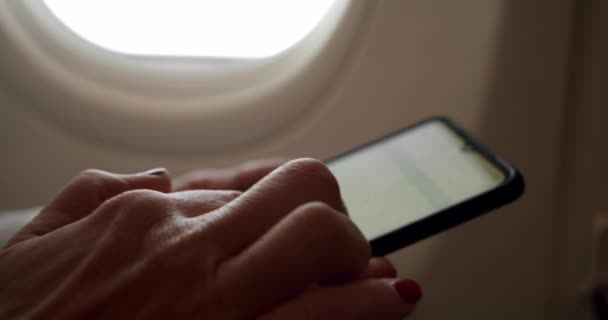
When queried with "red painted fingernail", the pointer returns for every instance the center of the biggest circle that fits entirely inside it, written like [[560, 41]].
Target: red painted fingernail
[[154, 172], [409, 290]]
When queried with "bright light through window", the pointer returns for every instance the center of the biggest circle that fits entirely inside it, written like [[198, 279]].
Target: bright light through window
[[211, 28]]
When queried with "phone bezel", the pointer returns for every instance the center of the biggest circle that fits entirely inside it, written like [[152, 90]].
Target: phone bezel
[[510, 189]]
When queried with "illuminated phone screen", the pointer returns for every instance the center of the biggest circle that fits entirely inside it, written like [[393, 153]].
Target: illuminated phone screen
[[409, 176]]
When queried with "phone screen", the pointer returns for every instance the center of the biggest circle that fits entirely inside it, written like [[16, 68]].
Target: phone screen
[[408, 176]]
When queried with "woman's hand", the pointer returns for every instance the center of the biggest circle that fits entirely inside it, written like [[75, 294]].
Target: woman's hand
[[124, 246]]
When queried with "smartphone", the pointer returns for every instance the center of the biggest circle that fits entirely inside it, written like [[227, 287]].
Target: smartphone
[[421, 180]]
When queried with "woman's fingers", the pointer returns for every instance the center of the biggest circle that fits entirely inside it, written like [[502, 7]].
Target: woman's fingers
[[384, 299], [84, 194], [267, 202], [313, 244], [237, 178]]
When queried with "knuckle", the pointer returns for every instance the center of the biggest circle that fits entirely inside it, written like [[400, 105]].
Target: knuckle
[[141, 200], [98, 182], [91, 177], [136, 213], [91, 173], [324, 219], [335, 231], [315, 172]]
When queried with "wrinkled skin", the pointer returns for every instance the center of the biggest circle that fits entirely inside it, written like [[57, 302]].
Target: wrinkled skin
[[254, 241]]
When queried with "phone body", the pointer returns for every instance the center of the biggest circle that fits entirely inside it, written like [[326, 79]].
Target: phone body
[[421, 180]]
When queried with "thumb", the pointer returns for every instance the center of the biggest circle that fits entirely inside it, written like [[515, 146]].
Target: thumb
[[84, 194]]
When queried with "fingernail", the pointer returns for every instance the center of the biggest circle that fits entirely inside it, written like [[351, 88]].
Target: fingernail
[[409, 290], [154, 172]]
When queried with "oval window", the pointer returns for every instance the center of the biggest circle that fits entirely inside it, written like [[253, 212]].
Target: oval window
[[209, 28]]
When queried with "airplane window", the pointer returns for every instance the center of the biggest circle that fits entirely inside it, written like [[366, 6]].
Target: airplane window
[[120, 63], [208, 28]]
